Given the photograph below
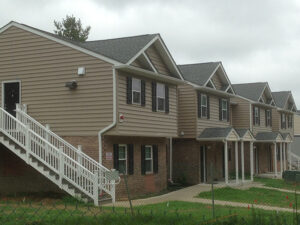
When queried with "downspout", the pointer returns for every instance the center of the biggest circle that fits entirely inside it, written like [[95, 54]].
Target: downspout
[[114, 115]]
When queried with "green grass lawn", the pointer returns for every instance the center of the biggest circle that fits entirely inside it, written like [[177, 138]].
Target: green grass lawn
[[164, 213], [277, 183], [253, 195]]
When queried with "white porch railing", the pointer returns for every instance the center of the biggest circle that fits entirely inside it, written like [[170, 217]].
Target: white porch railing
[[295, 161], [70, 164]]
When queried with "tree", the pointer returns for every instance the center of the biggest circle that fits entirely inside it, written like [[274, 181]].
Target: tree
[[72, 29]]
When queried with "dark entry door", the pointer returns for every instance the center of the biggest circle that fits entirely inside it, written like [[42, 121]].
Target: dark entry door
[[11, 96]]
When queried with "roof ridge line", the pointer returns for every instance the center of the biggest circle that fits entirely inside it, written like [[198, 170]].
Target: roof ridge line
[[189, 64], [109, 39]]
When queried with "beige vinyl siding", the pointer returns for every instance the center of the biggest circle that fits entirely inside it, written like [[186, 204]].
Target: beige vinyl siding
[[277, 120], [217, 81], [241, 113], [262, 127], [214, 121], [297, 124], [157, 61], [43, 67], [142, 121], [137, 63], [187, 110]]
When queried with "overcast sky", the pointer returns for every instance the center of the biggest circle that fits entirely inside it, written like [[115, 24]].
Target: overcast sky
[[257, 40]]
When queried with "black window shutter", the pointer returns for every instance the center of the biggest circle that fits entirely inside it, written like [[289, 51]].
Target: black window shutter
[[228, 110], [258, 115], [208, 108], [284, 121], [129, 90], [270, 117], [167, 99], [266, 117], [281, 120], [143, 93], [220, 109], [155, 158], [116, 156], [143, 164], [154, 96], [130, 159], [199, 103], [253, 114]]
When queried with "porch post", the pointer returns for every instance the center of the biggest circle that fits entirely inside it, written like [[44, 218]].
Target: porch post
[[251, 161], [289, 155], [171, 159], [226, 161], [281, 166], [243, 161], [275, 159], [284, 156], [236, 162]]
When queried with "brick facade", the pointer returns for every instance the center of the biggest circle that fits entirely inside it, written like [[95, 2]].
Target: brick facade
[[18, 177]]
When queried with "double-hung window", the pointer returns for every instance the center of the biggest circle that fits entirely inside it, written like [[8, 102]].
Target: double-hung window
[[160, 97], [268, 119], [136, 91], [122, 159], [283, 120], [256, 115], [203, 105], [224, 109], [148, 159], [290, 121]]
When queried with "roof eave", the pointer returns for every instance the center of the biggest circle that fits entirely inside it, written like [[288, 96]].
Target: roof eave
[[149, 74]]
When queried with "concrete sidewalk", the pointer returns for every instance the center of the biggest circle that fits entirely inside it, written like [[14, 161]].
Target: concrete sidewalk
[[189, 195]]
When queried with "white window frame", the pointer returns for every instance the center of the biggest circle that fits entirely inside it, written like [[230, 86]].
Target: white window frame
[[162, 97], [256, 115], [147, 159], [204, 106], [268, 117], [125, 159], [226, 110], [135, 90]]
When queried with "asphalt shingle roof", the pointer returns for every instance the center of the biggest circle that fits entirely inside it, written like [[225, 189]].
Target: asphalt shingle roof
[[241, 132], [216, 132], [250, 91], [119, 49], [198, 73], [266, 136], [280, 98]]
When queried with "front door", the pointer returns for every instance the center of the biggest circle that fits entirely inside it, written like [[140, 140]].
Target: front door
[[11, 96]]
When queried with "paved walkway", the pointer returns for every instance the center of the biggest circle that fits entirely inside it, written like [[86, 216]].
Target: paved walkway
[[189, 195]]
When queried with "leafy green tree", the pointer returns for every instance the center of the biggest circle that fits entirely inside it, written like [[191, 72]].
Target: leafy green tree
[[71, 28]]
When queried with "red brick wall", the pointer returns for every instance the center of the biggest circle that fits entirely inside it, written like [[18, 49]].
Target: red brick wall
[[139, 184], [18, 177]]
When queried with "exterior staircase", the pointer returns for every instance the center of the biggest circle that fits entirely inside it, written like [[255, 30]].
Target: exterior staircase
[[66, 166], [295, 161]]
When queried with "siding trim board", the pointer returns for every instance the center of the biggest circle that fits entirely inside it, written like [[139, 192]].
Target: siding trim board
[[68, 44]]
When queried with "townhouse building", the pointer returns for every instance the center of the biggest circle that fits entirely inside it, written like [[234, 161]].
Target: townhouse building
[[109, 104], [74, 113], [207, 147]]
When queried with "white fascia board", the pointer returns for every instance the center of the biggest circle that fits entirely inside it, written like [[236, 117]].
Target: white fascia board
[[210, 90], [149, 74], [212, 83], [213, 73], [149, 62], [225, 74], [142, 50], [68, 44], [170, 57]]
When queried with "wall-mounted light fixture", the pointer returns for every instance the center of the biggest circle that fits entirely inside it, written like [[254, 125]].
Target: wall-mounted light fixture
[[71, 84], [81, 71]]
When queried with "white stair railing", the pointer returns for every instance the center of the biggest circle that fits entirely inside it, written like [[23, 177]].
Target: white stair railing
[[54, 153], [295, 161]]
